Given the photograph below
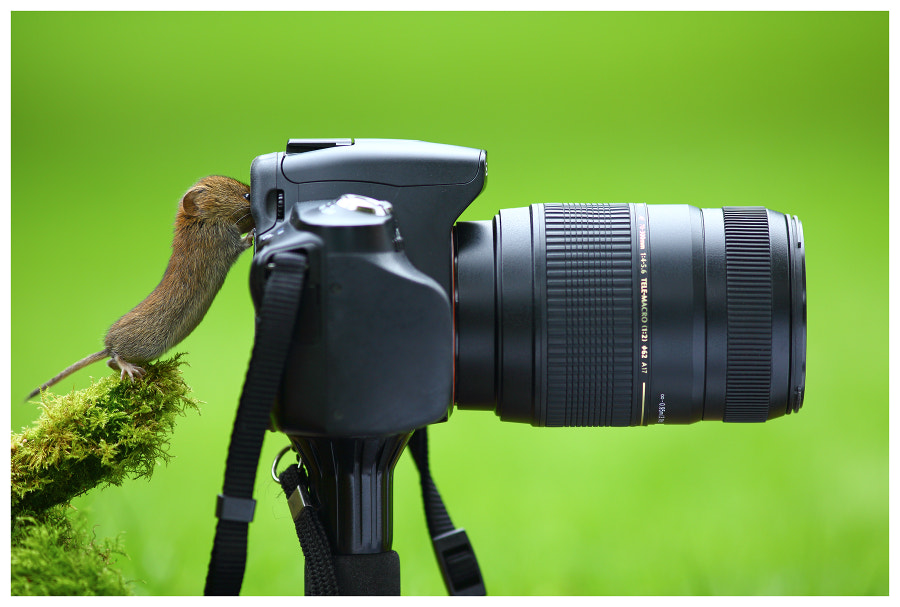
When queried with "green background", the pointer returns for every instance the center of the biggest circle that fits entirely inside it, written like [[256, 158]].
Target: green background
[[114, 116]]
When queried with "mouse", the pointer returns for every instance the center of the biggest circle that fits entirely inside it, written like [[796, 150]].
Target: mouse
[[210, 223]]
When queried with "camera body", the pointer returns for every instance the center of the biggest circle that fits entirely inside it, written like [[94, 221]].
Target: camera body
[[373, 350]]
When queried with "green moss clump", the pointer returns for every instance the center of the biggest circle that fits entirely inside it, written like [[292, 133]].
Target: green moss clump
[[100, 435], [51, 557]]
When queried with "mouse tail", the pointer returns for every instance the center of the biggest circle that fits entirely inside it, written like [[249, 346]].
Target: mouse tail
[[69, 370]]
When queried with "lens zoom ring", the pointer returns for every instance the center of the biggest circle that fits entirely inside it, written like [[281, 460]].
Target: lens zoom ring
[[748, 280], [589, 303]]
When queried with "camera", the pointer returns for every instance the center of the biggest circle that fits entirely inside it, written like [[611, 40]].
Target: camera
[[379, 314], [555, 314]]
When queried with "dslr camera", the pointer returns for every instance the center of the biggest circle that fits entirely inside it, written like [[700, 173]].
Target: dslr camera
[[554, 314]]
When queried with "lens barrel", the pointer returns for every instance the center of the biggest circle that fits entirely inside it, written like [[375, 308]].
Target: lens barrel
[[630, 314]]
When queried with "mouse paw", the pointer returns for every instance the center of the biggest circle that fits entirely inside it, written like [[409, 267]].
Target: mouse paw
[[247, 240], [132, 371]]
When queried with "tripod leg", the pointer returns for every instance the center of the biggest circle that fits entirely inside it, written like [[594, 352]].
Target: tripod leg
[[352, 480]]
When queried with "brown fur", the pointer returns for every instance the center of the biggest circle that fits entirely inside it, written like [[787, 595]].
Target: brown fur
[[211, 217]]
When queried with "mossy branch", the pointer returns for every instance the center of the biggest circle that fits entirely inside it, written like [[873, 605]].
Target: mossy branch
[[100, 435]]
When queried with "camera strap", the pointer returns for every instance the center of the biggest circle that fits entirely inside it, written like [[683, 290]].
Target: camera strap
[[235, 505], [454, 552], [321, 578]]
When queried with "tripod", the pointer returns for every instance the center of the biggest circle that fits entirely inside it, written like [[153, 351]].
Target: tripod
[[352, 481], [348, 548]]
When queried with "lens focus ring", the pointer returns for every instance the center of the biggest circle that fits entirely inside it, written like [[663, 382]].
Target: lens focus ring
[[589, 315], [748, 262]]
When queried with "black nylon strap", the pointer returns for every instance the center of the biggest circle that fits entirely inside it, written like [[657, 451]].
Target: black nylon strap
[[454, 552], [320, 578], [274, 332], [436, 515]]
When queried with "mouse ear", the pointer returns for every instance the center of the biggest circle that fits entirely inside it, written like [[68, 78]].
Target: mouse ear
[[188, 204]]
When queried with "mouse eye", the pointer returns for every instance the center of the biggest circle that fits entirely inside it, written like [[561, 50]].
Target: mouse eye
[[247, 196]]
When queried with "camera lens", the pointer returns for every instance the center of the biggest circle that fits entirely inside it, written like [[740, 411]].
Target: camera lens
[[630, 314]]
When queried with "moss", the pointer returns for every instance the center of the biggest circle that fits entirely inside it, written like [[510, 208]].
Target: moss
[[51, 556], [102, 435]]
